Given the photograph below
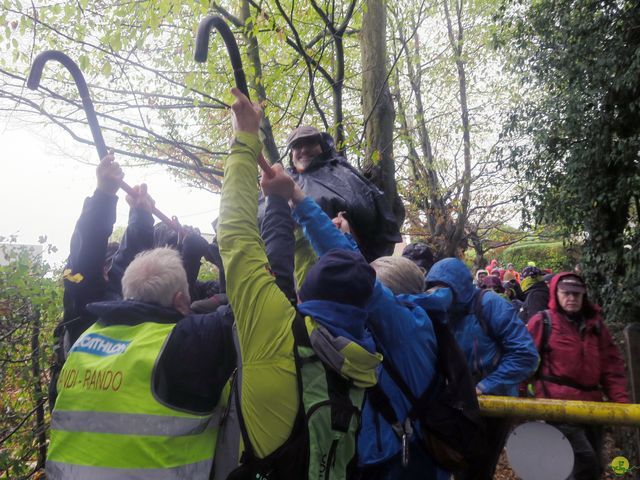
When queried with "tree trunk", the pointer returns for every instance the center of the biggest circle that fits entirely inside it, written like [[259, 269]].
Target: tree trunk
[[377, 105], [479, 261], [456, 39], [437, 214], [253, 52], [338, 86]]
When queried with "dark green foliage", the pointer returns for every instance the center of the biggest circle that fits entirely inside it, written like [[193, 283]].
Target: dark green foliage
[[574, 138]]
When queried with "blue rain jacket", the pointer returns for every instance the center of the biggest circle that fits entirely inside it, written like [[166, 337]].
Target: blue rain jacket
[[499, 358]]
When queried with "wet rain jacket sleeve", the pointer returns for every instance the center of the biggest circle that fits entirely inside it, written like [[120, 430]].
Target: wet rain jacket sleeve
[[518, 354], [137, 237], [83, 280], [263, 314], [319, 230], [88, 246], [193, 248], [318, 236], [305, 256], [276, 230]]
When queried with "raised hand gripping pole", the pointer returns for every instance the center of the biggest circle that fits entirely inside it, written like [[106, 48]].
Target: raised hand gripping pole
[[202, 49], [33, 82]]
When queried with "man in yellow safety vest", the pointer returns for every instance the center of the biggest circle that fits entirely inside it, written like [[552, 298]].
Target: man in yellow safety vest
[[139, 391]]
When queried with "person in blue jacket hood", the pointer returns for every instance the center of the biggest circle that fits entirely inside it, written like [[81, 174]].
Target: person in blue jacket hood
[[500, 352]]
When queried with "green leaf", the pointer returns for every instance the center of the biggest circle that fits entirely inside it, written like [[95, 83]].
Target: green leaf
[[106, 69], [69, 10], [115, 42], [189, 79], [83, 61]]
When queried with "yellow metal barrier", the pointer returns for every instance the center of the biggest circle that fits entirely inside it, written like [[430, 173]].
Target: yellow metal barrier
[[561, 410]]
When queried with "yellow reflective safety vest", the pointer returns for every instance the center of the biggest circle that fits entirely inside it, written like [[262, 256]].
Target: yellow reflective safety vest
[[108, 421]]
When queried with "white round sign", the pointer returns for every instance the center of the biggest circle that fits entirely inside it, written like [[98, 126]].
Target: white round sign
[[538, 451]]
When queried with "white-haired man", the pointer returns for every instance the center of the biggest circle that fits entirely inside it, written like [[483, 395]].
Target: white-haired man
[[138, 392]]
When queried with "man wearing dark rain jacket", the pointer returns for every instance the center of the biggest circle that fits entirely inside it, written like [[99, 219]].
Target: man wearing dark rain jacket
[[284, 435], [536, 293], [95, 267], [500, 352], [336, 186]]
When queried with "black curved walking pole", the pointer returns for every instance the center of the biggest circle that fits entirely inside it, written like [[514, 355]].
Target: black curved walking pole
[[33, 82], [202, 49]]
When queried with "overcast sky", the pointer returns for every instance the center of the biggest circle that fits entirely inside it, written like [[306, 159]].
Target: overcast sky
[[45, 176]]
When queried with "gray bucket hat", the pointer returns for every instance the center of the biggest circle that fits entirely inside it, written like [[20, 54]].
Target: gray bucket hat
[[302, 133]]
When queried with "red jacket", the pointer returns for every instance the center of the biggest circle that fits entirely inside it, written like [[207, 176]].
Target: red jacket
[[585, 356]]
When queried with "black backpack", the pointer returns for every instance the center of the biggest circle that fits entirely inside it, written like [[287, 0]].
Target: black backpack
[[452, 430]]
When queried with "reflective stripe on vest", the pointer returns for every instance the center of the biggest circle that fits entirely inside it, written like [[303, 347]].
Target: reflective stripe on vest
[[130, 423], [108, 421], [65, 471]]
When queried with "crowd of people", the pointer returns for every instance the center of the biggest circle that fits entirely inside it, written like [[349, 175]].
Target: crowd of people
[[317, 354]]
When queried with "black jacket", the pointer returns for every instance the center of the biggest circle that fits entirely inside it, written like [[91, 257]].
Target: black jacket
[[336, 186], [536, 299], [276, 229], [193, 248], [84, 281]]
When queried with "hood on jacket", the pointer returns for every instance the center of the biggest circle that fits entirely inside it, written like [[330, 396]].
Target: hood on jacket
[[529, 282], [481, 271], [436, 303], [588, 308], [132, 312], [338, 336], [341, 320], [453, 273]]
